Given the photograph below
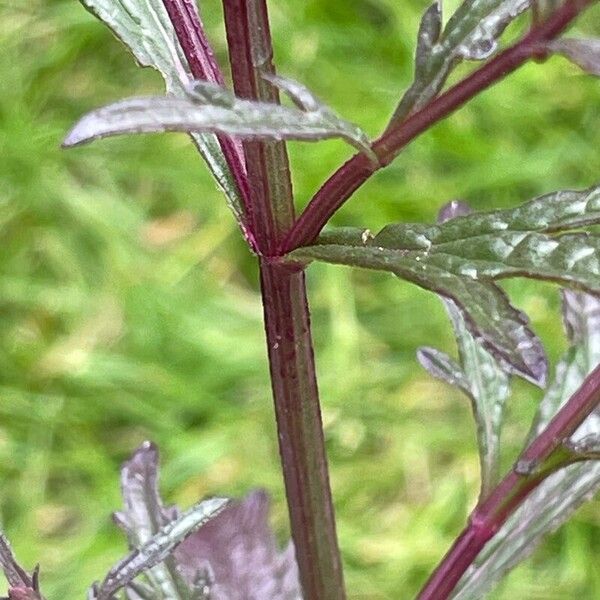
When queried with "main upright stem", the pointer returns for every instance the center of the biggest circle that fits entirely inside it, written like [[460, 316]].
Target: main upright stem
[[287, 320]]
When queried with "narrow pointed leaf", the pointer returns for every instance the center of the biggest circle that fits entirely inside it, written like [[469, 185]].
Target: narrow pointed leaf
[[584, 53], [441, 366], [160, 546], [244, 118], [144, 27], [471, 34], [460, 259], [559, 495]]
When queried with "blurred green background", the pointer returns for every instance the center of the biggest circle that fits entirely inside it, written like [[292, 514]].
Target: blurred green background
[[129, 305]]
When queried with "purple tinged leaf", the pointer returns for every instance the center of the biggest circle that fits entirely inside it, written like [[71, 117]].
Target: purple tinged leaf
[[453, 209], [584, 53], [243, 118], [243, 556], [144, 513], [159, 547]]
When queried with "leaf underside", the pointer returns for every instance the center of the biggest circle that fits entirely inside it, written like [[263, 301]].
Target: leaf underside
[[144, 27], [462, 258], [211, 108]]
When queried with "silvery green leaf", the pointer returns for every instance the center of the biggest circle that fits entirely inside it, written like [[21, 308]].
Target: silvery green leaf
[[461, 258], [559, 495], [481, 378], [441, 366], [584, 53], [489, 315], [471, 34], [144, 516], [146, 30], [244, 118], [489, 389], [159, 547]]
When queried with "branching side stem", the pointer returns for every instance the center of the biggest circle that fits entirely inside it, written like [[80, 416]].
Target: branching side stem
[[351, 175], [487, 518], [287, 319]]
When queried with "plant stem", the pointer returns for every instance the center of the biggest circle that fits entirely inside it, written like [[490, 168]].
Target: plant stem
[[287, 319], [351, 175], [487, 518], [191, 36]]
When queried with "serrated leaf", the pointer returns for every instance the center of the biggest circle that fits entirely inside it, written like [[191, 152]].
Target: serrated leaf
[[461, 258], [144, 27], [144, 515], [584, 53], [160, 546], [243, 118], [559, 495], [481, 379], [471, 34]]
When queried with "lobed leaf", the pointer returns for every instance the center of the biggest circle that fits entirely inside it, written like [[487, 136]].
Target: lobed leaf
[[487, 386], [471, 34], [559, 495], [159, 547], [229, 115], [460, 259], [144, 27]]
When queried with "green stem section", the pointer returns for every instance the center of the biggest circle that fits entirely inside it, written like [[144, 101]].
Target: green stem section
[[287, 319]]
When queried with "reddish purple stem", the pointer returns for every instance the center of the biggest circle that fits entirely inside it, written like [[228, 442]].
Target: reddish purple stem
[[350, 176], [487, 518], [203, 65]]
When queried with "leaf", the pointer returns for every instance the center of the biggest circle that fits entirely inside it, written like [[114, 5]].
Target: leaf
[[584, 53], [478, 376], [441, 366], [242, 553], [160, 546], [244, 118], [559, 495], [144, 517], [471, 34], [461, 258], [144, 27]]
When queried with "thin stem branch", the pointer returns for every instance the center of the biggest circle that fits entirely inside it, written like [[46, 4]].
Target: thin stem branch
[[350, 176], [527, 473], [201, 59], [287, 319]]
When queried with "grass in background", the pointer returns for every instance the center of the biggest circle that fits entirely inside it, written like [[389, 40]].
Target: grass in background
[[130, 308]]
